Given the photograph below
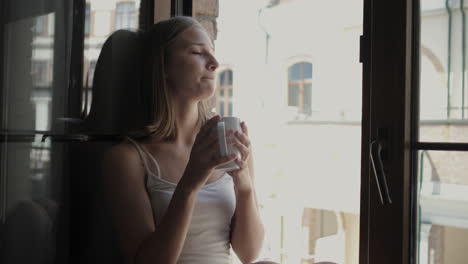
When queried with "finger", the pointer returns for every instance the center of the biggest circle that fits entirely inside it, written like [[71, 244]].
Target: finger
[[244, 150], [206, 141], [224, 160], [209, 124], [243, 138], [207, 134], [244, 128], [242, 164], [212, 147]]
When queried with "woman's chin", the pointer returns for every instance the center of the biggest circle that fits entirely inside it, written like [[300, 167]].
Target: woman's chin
[[207, 92]]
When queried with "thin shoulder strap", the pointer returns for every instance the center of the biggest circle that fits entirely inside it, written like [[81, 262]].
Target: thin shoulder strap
[[141, 152]]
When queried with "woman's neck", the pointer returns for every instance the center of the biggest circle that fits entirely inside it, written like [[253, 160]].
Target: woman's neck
[[186, 123]]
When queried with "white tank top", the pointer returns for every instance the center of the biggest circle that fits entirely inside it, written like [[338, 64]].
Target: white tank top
[[208, 237]]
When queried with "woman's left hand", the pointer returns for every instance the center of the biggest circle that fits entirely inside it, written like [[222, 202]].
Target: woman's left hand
[[241, 177]]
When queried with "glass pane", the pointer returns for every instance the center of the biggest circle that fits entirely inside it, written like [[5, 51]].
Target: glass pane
[[28, 67], [222, 78], [230, 77], [32, 201], [307, 98], [308, 188], [443, 94], [126, 16], [295, 72], [307, 70], [87, 18], [105, 17], [443, 207], [35, 57], [293, 97], [221, 108]]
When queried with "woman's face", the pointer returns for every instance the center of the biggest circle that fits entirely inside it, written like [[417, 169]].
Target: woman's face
[[191, 66]]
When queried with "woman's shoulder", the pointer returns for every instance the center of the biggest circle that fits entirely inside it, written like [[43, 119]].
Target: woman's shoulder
[[123, 149], [122, 156]]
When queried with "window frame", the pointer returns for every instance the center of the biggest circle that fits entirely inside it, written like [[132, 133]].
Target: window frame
[[389, 232], [387, 117]]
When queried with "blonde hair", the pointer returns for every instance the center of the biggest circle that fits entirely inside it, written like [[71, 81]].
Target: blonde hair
[[161, 123]]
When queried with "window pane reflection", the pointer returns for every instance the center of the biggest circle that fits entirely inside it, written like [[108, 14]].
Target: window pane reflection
[[443, 83], [104, 18], [443, 207]]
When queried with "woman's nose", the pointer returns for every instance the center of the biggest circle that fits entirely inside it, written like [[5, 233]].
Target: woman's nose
[[213, 64]]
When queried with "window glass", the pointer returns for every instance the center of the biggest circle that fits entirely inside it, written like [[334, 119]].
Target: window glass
[[308, 189], [293, 95], [307, 70], [443, 82], [126, 16], [443, 207], [307, 98], [225, 93], [87, 18], [221, 108], [295, 72], [40, 25], [104, 18], [230, 77], [222, 78], [442, 175], [35, 58], [40, 73]]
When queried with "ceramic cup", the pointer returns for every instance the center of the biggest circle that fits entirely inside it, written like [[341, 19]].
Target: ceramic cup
[[226, 131]]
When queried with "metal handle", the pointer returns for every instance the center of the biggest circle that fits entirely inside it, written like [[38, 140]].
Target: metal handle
[[380, 178]]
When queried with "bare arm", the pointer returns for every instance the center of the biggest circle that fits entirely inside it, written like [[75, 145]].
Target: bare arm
[[141, 242], [247, 228]]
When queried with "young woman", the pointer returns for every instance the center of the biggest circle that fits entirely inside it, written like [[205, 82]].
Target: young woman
[[169, 202]]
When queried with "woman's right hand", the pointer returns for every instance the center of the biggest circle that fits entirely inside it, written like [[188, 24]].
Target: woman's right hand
[[204, 156]]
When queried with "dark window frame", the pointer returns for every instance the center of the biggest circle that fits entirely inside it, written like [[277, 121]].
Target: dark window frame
[[181, 7], [389, 232]]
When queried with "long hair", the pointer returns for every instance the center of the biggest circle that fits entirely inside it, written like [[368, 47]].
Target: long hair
[[161, 119]]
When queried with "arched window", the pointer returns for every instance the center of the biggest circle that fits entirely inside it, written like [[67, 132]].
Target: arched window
[[300, 87], [224, 93]]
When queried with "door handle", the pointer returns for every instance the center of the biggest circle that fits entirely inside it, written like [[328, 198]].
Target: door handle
[[379, 172]]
